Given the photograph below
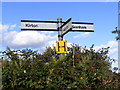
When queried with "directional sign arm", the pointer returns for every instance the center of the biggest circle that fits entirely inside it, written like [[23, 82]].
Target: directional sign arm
[[67, 26], [38, 25], [82, 27]]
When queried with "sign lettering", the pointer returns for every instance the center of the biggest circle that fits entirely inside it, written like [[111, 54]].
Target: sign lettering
[[31, 25], [79, 27]]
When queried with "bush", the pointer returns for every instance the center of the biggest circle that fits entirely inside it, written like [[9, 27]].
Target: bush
[[81, 69]]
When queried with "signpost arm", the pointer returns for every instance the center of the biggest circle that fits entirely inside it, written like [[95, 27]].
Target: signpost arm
[[60, 37]]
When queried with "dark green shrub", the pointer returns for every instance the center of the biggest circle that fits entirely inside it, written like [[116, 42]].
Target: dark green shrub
[[81, 69]]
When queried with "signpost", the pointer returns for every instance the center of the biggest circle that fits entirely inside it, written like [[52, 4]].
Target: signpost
[[52, 26], [61, 27]]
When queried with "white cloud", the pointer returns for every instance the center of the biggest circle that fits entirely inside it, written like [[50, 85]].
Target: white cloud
[[9, 36], [113, 47], [3, 28], [113, 51], [85, 34], [28, 39], [110, 44], [52, 43], [47, 32], [25, 39], [12, 26], [0, 40]]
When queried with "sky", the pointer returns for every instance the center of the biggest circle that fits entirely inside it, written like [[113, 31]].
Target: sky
[[102, 14], [59, 0]]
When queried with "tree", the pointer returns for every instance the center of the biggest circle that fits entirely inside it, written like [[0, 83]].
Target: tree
[[118, 38], [117, 32]]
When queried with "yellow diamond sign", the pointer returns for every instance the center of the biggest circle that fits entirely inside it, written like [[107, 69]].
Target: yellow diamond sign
[[61, 46]]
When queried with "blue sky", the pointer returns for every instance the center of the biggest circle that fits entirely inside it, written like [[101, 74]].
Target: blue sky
[[60, 0], [102, 14]]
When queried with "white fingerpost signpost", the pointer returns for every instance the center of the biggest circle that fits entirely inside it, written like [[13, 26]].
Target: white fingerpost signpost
[[60, 26]]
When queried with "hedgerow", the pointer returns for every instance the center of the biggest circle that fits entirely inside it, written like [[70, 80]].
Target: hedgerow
[[84, 68]]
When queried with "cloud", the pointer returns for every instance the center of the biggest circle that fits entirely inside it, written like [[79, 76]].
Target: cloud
[[113, 47], [7, 37], [12, 26], [110, 44], [3, 28], [85, 34], [47, 32], [113, 51], [27, 39], [52, 43]]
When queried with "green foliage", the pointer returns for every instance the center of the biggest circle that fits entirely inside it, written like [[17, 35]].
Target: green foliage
[[116, 32], [81, 69]]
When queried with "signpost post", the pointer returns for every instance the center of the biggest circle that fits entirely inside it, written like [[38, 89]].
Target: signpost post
[[61, 27]]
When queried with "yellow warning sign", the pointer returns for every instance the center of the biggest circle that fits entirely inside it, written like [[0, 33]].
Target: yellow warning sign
[[61, 46]]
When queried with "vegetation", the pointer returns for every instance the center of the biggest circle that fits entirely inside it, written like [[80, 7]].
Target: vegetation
[[116, 32], [0, 75], [82, 69]]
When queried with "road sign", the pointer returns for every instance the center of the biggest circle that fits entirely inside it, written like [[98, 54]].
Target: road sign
[[88, 27], [61, 27], [52, 26], [66, 26], [38, 25], [61, 46]]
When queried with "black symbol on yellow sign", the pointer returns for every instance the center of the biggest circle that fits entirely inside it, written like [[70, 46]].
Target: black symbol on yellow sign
[[61, 46]]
